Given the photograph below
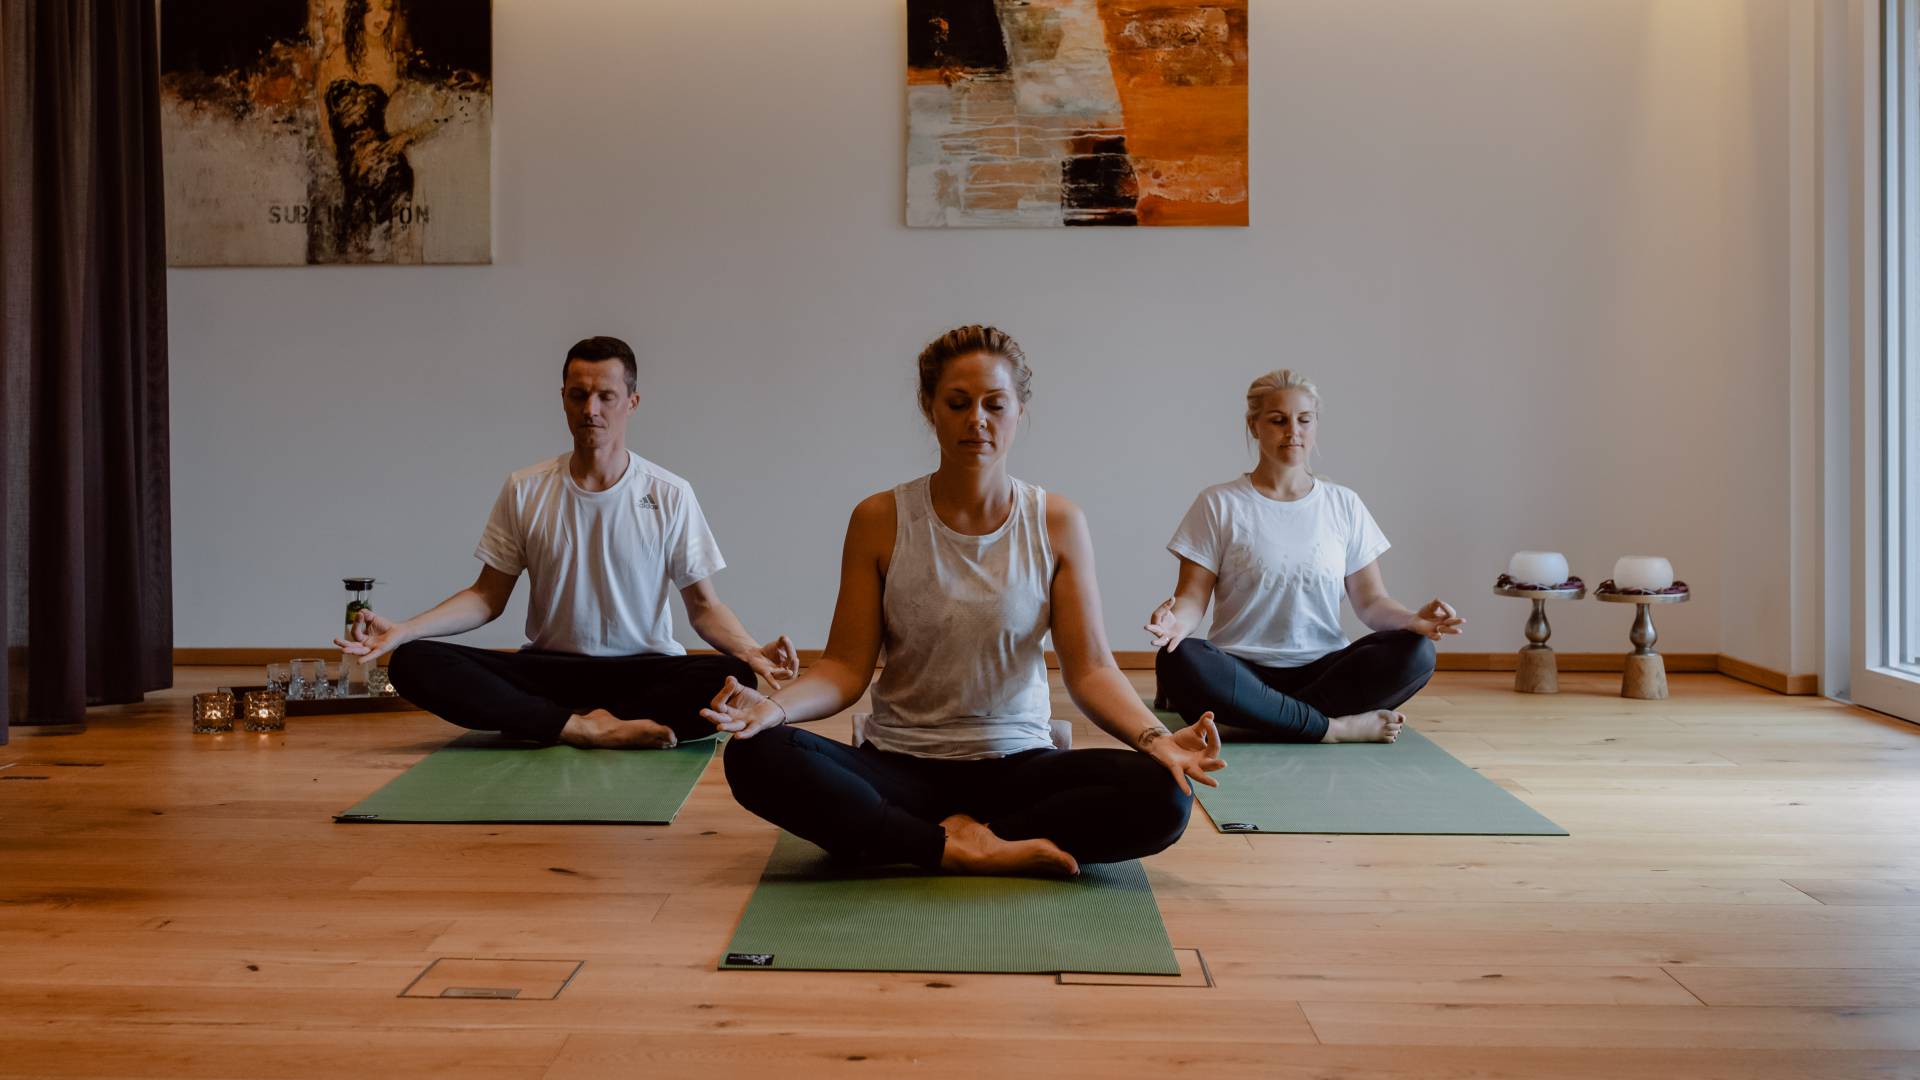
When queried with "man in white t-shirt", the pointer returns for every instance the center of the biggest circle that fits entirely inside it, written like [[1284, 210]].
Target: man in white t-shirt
[[603, 534]]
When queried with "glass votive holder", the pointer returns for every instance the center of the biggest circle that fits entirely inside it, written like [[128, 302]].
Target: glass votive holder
[[213, 713], [264, 710], [379, 683], [277, 677]]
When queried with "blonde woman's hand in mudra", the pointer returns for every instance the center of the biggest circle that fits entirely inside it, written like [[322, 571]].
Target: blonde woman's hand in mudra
[[1165, 628], [1192, 752], [743, 711], [1436, 620]]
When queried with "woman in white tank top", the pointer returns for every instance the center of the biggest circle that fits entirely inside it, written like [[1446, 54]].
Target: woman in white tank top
[[960, 576]]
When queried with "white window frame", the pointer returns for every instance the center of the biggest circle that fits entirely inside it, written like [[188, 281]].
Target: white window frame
[[1885, 449]]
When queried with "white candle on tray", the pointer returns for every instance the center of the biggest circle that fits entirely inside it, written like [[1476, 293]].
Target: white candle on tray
[[1542, 568], [1649, 572]]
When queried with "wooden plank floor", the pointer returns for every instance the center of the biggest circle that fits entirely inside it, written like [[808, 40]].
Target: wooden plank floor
[[1740, 898]]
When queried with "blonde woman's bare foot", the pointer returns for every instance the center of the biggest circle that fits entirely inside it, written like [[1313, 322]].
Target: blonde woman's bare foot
[[972, 848], [602, 730], [1381, 725]]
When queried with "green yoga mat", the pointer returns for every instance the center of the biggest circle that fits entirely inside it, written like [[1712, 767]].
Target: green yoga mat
[[810, 914], [481, 778], [1407, 787]]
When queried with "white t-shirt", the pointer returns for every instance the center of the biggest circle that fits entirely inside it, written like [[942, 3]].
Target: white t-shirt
[[600, 562], [1282, 567]]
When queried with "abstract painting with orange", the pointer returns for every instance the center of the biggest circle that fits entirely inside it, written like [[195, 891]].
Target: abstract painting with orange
[[1076, 112]]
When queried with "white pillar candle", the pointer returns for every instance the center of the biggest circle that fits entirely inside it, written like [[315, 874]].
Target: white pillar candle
[[1649, 572], [1537, 567]]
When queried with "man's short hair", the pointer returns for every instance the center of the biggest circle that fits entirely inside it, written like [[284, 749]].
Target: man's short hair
[[595, 349]]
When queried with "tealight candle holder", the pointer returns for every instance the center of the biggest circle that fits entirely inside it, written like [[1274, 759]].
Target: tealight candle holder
[[264, 710], [1537, 569], [1648, 581], [379, 682], [213, 713], [1538, 576], [1643, 573]]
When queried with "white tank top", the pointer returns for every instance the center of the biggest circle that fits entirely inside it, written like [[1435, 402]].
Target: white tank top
[[966, 632]]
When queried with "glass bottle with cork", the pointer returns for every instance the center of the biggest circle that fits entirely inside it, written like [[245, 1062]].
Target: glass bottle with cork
[[352, 669]]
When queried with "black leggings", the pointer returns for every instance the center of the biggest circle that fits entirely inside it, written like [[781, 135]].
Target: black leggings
[[1291, 704], [872, 806], [530, 695]]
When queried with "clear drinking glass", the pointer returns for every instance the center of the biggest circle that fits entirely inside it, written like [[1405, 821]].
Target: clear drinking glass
[[305, 674]]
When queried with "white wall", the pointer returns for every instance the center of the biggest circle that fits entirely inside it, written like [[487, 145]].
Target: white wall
[[1513, 239], [1792, 174], [1761, 320]]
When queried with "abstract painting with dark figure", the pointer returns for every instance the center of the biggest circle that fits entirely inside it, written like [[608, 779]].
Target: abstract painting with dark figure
[[326, 131]]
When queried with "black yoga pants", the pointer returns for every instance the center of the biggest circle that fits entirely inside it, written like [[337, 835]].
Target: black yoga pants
[[870, 806], [1291, 704], [530, 695]]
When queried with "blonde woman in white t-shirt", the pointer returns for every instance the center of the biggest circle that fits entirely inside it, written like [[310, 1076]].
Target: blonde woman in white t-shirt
[[1274, 551]]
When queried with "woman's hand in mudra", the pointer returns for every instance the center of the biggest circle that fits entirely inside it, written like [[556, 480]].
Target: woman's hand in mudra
[[1435, 621], [743, 711], [1165, 629], [1193, 752]]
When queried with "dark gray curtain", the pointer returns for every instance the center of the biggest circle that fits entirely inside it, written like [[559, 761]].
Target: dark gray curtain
[[85, 514]]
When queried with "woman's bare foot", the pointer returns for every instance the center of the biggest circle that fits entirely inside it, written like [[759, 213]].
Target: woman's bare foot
[[601, 729], [1381, 725], [972, 848]]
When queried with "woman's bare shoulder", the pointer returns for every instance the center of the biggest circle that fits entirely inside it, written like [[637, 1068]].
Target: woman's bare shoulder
[[873, 522]]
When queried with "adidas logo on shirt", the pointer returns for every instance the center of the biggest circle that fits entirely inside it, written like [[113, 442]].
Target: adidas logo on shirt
[[648, 502]]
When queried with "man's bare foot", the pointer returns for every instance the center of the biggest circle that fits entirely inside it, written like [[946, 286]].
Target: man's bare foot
[[972, 848], [601, 729], [1381, 725]]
